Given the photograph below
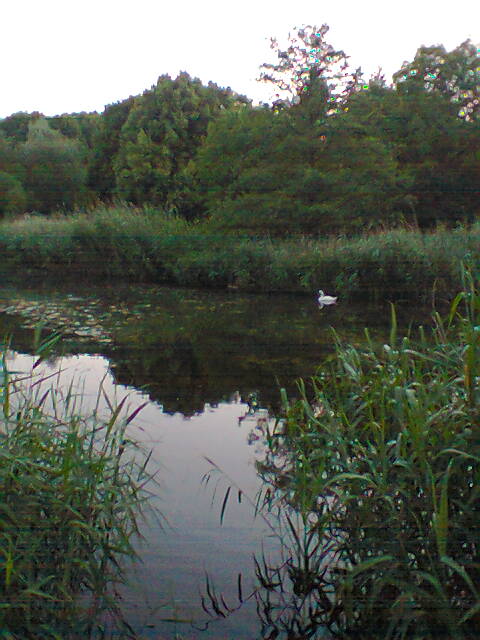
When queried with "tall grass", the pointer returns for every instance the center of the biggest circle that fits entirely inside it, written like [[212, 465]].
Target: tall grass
[[71, 495], [375, 472], [150, 245]]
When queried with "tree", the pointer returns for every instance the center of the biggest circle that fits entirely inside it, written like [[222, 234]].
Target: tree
[[245, 171], [16, 126], [363, 183], [12, 195], [79, 126], [54, 169], [436, 151], [454, 74], [239, 139], [105, 147], [265, 172], [162, 133], [310, 71], [9, 160]]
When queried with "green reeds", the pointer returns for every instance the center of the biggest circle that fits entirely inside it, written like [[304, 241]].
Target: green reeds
[[380, 459], [149, 245], [71, 496]]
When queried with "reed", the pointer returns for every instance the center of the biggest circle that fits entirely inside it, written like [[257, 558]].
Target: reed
[[151, 245], [72, 494], [375, 472]]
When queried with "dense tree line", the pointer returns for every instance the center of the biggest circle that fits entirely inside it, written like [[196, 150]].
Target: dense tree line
[[333, 152]]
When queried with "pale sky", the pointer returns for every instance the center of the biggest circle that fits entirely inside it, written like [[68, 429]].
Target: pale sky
[[60, 56]]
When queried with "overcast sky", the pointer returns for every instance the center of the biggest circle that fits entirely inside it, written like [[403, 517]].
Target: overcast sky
[[60, 56]]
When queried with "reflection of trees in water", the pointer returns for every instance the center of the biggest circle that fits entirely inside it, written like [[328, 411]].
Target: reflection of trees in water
[[183, 347], [188, 371], [171, 374], [186, 347]]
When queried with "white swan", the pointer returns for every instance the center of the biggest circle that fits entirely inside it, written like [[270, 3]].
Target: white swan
[[324, 300]]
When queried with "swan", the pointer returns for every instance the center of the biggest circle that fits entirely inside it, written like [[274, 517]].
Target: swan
[[324, 300]]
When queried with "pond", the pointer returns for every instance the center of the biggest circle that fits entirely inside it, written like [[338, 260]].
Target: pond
[[198, 358]]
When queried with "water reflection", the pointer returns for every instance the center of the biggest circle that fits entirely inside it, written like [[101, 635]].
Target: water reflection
[[294, 592], [209, 362], [188, 347], [164, 594]]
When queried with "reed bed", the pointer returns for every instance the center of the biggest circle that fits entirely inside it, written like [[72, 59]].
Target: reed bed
[[72, 494], [375, 474], [149, 245]]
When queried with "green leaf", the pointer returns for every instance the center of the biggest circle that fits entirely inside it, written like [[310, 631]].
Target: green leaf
[[440, 517], [461, 572], [369, 564]]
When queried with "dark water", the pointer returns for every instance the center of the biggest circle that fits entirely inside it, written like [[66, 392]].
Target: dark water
[[195, 356]]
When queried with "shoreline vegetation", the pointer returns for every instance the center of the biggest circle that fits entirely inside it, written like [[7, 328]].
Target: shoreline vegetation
[[147, 245], [370, 481], [382, 438], [242, 187], [386, 441], [72, 496]]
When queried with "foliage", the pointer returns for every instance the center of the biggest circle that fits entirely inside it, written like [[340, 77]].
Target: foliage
[[12, 196], [335, 157], [361, 183], [436, 152], [16, 126], [8, 155], [79, 126], [150, 245], [71, 494], [264, 172], [54, 169], [101, 176], [249, 170], [454, 74], [310, 70], [380, 461], [330, 155], [162, 132]]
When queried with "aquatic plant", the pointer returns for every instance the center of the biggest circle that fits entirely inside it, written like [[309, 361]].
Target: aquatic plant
[[72, 493], [152, 245], [374, 473]]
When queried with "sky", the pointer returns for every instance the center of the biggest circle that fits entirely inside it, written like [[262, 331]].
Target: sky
[[60, 56]]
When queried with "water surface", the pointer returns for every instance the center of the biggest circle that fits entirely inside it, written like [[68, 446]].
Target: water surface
[[196, 357]]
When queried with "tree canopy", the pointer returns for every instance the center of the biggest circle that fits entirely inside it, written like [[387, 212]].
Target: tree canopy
[[331, 153], [454, 74], [309, 70]]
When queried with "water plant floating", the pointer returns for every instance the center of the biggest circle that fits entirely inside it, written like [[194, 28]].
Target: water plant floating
[[324, 300]]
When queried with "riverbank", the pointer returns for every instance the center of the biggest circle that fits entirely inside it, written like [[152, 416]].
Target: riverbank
[[148, 246]]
